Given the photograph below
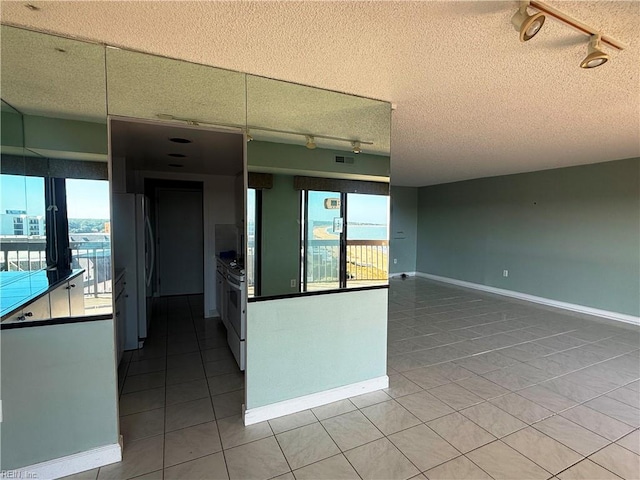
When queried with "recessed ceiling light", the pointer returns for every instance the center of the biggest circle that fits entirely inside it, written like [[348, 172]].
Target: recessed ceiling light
[[527, 25], [595, 56], [176, 165], [32, 7], [179, 140], [177, 155]]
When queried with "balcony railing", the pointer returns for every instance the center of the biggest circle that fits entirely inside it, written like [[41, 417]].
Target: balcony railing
[[28, 254]]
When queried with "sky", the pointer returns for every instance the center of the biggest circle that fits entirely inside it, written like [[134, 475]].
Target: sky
[[85, 198]]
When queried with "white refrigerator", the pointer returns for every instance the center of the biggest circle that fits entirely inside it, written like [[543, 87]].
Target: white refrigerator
[[134, 250]]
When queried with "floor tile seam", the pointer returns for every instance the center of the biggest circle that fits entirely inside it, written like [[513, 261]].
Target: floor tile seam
[[522, 454], [192, 459], [282, 449], [593, 431], [606, 446], [626, 435]]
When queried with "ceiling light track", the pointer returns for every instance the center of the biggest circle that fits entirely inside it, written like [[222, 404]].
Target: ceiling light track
[[309, 137], [576, 24]]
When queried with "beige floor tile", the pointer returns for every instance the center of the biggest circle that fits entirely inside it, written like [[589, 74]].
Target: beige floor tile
[[460, 468], [626, 395], [571, 390], [547, 399], [333, 409], [157, 475], [185, 361], [226, 383], [460, 432], [571, 434], [228, 404], [390, 417], [615, 409], [285, 476], [87, 475], [455, 396], [522, 408], [176, 376], [189, 413], [543, 450], [142, 425], [305, 445], [631, 442], [332, 468], [256, 461], [211, 467], [619, 460], [426, 377], [381, 460], [597, 422], [351, 430], [295, 420], [587, 470], [186, 392], [483, 387], [146, 381], [399, 386], [142, 401], [494, 420], [425, 406], [504, 463], [220, 367], [423, 447], [233, 431], [190, 443], [147, 366], [139, 457], [362, 401], [452, 371]]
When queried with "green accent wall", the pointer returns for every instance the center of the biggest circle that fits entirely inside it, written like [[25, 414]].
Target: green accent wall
[[280, 237], [305, 345], [569, 234], [403, 234], [299, 160], [59, 391]]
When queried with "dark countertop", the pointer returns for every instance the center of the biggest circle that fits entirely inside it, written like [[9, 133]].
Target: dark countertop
[[21, 288]]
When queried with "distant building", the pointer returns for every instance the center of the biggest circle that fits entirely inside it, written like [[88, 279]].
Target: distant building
[[18, 223]]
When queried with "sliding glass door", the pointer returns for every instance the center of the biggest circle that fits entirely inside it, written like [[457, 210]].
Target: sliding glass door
[[344, 240]]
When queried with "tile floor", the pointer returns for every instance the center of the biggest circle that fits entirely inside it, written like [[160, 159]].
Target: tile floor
[[480, 387]]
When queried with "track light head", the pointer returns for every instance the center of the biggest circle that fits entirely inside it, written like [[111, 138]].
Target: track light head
[[595, 56], [356, 147], [527, 25], [311, 142]]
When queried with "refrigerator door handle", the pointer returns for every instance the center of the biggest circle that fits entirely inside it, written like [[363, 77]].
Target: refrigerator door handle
[[152, 248]]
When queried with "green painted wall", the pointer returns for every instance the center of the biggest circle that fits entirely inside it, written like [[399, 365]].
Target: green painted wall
[[59, 391], [404, 224], [304, 345], [569, 234], [280, 237], [11, 132], [299, 160]]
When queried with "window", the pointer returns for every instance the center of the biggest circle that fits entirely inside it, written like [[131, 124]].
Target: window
[[253, 241], [345, 240]]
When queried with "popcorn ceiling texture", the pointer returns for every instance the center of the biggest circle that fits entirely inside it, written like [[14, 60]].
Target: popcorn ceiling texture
[[472, 101]]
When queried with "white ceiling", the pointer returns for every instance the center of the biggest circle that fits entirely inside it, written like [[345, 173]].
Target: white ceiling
[[472, 101]]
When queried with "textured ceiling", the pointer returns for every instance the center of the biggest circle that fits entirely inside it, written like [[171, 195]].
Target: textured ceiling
[[472, 101]]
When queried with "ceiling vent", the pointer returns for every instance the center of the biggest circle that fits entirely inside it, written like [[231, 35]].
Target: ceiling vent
[[340, 159]]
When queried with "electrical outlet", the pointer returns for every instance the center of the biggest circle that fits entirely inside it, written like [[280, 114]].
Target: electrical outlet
[[505, 273], [293, 283], [395, 261]]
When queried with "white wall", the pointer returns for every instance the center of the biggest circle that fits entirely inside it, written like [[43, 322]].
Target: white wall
[[219, 206]]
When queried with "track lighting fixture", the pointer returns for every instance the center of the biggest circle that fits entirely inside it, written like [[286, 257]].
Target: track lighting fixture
[[595, 56], [311, 142], [356, 147], [527, 25]]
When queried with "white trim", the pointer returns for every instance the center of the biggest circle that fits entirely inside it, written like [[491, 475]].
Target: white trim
[[267, 412], [76, 463], [398, 275], [620, 317]]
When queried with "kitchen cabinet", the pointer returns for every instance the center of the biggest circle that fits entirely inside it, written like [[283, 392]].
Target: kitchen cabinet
[[37, 310], [120, 314], [67, 299]]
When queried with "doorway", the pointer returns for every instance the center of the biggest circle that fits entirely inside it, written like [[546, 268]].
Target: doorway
[[179, 241]]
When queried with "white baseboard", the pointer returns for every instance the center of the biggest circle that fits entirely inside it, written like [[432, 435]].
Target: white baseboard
[[621, 317], [398, 275], [213, 313], [76, 463], [287, 407]]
